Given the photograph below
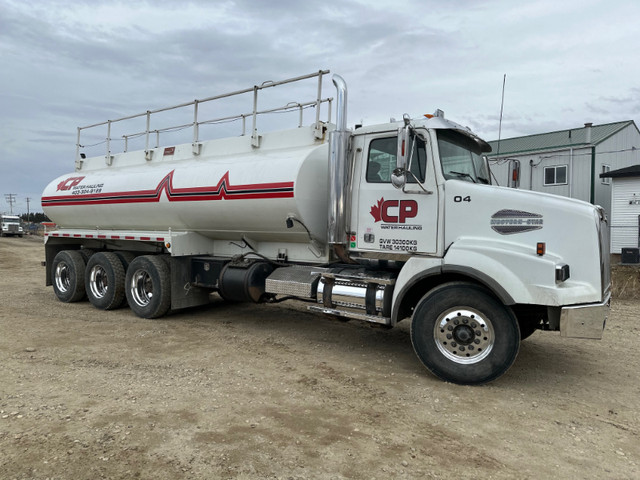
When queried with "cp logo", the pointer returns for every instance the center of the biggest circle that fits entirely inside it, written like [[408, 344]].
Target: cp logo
[[69, 183], [394, 211]]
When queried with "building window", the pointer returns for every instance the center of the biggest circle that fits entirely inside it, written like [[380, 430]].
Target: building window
[[606, 169], [555, 175]]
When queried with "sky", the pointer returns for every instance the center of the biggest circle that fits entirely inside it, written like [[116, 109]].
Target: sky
[[74, 63]]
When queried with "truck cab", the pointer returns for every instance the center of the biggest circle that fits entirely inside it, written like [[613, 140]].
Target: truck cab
[[10, 226]]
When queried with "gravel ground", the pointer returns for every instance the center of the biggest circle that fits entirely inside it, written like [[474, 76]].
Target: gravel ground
[[273, 391]]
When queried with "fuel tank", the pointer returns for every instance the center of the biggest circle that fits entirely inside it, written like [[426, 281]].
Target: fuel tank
[[226, 190]]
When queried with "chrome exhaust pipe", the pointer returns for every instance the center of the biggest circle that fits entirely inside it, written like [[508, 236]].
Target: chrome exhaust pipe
[[338, 145]]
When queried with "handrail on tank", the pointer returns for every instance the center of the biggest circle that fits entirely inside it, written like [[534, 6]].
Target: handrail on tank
[[288, 107], [196, 124]]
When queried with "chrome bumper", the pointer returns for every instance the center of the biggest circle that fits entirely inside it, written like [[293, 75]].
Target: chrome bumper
[[585, 321]]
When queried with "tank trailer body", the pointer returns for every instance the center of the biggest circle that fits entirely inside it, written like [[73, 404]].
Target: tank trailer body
[[380, 224]]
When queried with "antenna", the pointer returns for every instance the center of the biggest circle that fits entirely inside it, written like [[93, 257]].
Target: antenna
[[504, 81]]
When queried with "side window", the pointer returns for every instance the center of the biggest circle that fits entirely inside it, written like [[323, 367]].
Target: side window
[[382, 160], [606, 180]]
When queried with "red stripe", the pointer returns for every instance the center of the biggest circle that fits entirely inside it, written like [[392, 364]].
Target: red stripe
[[224, 188]]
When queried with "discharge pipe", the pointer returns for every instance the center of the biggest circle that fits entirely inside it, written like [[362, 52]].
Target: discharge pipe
[[338, 145]]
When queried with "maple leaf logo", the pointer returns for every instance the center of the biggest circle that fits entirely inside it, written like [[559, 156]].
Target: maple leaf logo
[[375, 210]]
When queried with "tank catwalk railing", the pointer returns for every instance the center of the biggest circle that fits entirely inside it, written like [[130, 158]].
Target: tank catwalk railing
[[253, 115]]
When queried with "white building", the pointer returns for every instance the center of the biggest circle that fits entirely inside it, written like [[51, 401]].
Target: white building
[[568, 162], [625, 208]]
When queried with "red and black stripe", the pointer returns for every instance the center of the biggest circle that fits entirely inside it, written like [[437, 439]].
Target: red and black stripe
[[223, 190]]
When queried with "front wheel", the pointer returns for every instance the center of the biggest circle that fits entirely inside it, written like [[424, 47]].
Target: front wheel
[[463, 335]]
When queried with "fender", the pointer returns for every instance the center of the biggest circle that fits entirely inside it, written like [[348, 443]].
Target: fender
[[498, 266], [418, 269]]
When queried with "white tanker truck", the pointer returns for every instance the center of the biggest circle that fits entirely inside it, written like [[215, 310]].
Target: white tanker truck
[[380, 223]]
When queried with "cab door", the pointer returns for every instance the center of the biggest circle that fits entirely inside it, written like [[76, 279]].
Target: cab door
[[389, 220]]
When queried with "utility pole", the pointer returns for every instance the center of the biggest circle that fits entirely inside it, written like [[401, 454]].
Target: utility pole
[[11, 199], [28, 200]]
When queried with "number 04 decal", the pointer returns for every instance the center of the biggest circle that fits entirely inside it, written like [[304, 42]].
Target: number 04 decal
[[459, 198]]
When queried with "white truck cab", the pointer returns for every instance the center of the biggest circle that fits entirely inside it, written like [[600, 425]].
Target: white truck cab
[[10, 226]]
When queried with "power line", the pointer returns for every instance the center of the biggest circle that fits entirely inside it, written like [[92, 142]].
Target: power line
[[11, 199]]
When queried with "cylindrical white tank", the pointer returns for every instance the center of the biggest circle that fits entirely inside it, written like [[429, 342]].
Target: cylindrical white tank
[[229, 190]]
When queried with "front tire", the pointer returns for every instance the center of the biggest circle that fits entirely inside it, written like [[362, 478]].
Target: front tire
[[67, 276], [104, 280], [463, 335], [148, 286]]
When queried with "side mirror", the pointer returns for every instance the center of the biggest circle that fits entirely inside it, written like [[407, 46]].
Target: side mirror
[[398, 178]]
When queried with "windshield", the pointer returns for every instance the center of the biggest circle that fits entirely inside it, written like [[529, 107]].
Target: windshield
[[461, 158]]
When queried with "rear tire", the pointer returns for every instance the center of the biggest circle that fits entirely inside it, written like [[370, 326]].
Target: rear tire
[[463, 335], [86, 254], [104, 281], [67, 276], [148, 286], [125, 257]]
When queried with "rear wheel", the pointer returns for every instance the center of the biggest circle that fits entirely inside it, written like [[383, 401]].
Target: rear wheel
[[148, 286], [67, 276], [104, 281], [86, 254], [125, 257], [462, 334]]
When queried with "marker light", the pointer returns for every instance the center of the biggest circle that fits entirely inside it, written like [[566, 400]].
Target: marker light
[[541, 248]]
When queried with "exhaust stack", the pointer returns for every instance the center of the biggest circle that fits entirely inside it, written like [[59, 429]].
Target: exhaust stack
[[338, 145]]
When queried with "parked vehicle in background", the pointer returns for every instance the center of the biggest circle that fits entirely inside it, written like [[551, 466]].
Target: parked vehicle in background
[[10, 226]]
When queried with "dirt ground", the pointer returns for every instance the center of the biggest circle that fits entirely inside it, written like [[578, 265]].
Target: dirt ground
[[255, 391]]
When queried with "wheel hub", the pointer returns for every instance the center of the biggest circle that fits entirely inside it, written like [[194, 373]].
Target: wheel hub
[[464, 335], [98, 281], [62, 277], [141, 288]]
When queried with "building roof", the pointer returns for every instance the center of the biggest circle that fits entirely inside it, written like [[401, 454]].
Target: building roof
[[632, 171], [575, 137]]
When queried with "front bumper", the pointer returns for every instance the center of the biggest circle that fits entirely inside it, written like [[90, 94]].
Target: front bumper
[[585, 321]]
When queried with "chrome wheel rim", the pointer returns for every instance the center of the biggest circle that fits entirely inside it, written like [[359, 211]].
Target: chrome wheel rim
[[98, 281], [464, 335], [62, 277], [141, 288]]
